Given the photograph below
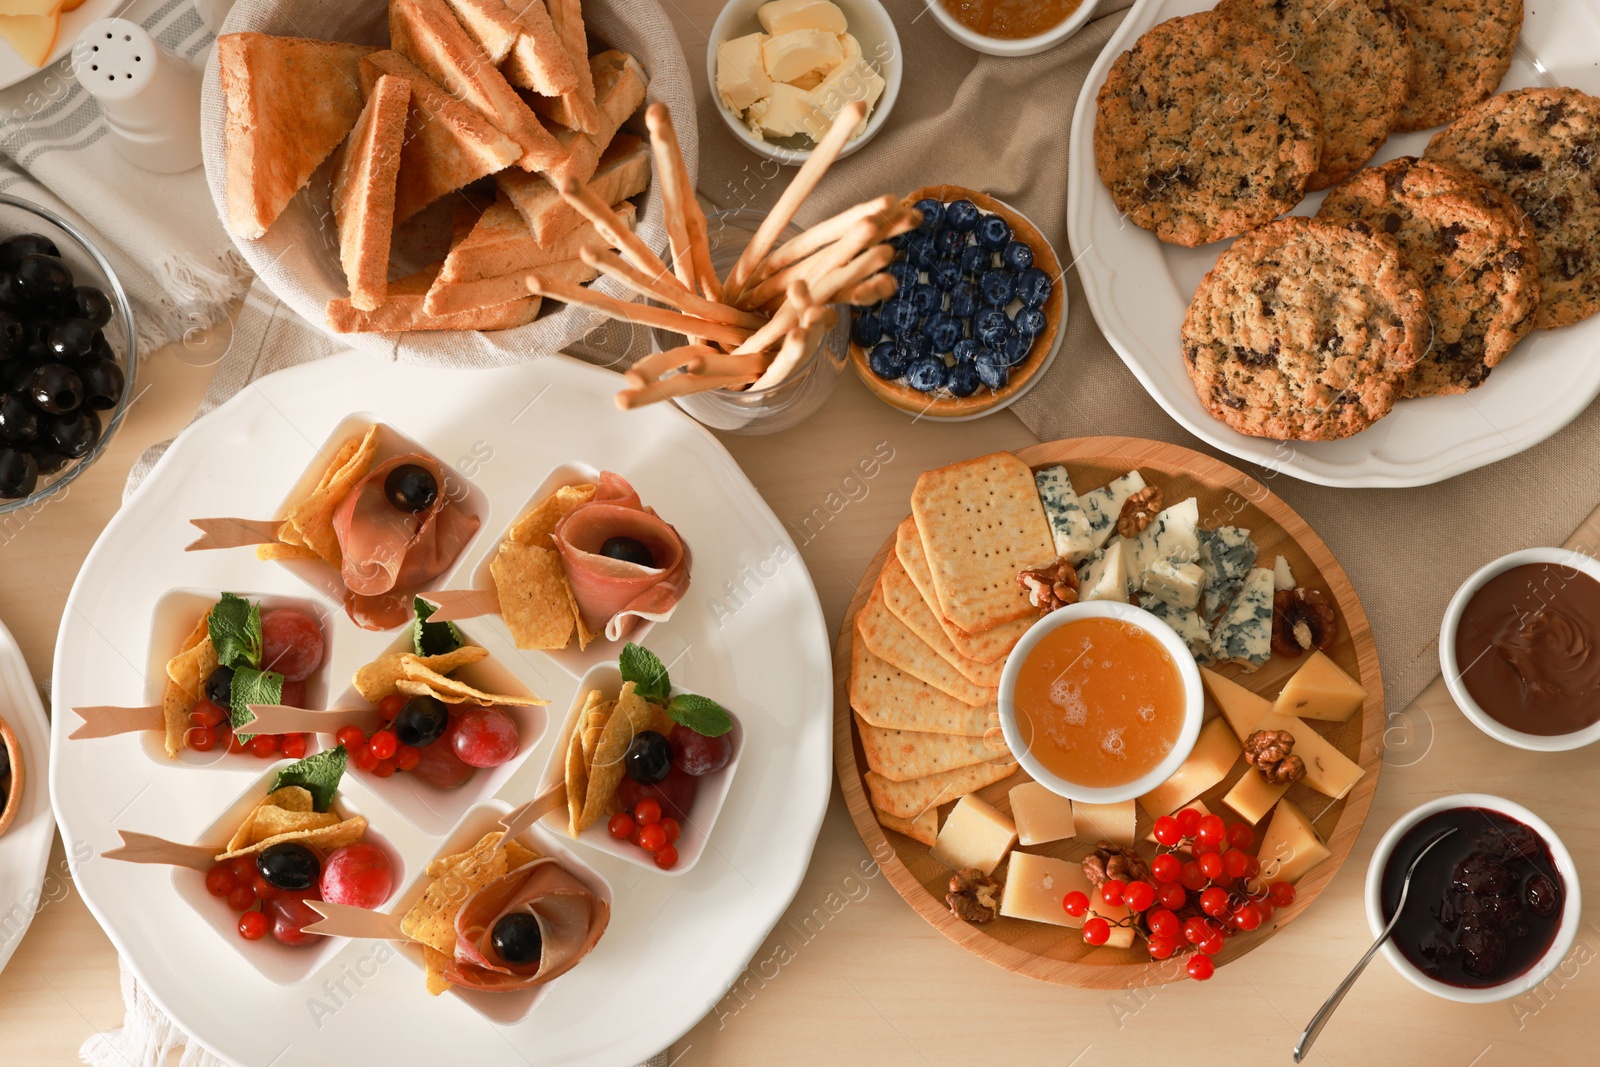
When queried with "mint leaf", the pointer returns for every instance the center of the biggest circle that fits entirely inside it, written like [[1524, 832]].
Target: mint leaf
[[646, 671], [251, 686], [318, 774], [235, 627], [700, 714], [433, 638]]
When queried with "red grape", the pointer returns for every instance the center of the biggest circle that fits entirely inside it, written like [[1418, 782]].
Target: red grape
[[484, 737], [438, 764], [289, 915], [675, 793], [291, 643], [698, 754], [358, 874]]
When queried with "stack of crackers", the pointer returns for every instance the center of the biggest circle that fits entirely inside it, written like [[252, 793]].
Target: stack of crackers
[[931, 641], [497, 100], [595, 752]]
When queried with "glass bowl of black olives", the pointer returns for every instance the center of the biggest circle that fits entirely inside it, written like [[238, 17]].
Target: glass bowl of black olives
[[67, 353]]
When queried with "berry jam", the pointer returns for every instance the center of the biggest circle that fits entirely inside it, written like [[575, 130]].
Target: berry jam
[[1485, 904]]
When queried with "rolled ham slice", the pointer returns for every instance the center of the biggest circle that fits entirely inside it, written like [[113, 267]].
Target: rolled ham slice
[[613, 595], [571, 919], [387, 551]]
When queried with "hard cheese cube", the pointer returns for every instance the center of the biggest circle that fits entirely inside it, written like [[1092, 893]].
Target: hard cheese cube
[[1320, 690], [1106, 577], [975, 835], [1106, 822], [1209, 763], [1242, 708], [1290, 847], [1040, 815], [1327, 769], [1252, 797], [1035, 886]]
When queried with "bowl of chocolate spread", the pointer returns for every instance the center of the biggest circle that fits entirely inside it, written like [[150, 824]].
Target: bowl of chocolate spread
[[1520, 649]]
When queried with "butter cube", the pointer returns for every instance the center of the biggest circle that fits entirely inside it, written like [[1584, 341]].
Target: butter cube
[[1290, 847], [792, 55], [848, 83], [1320, 690], [1040, 815], [1035, 886], [741, 75], [781, 16], [785, 113], [1116, 823], [1213, 756], [975, 835]]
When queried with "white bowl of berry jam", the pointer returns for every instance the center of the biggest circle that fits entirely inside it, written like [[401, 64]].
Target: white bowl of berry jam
[[1493, 909], [67, 353]]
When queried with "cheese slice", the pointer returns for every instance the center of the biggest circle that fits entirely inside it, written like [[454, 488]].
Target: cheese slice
[[975, 834], [1242, 708], [1116, 823], [1328, 770], [741, 76], [1069, 523], [1245, 634], [1104, 505], [1320, 690], [1172, 535], [1290, 847], [1105, 578], [1035, 886], [781, 16], [1252, 797], [1041, 816], [1214, 754]]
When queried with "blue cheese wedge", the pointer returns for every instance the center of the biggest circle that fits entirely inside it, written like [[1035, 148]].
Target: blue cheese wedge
[[1226, 556], [1105, 577], [1171, 582], [1282, 576], [1188, 624], [1244, 636], [1069, 523], [1172, 536], [1104, 505]]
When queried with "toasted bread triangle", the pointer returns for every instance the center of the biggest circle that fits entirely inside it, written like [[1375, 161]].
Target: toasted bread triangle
[[364, 179], [428, 34], [290, 101], [501, 243], [620, 87], [448, 144], [402, 310], [538, 61], [576, 109], [481, 294], [624, 172]]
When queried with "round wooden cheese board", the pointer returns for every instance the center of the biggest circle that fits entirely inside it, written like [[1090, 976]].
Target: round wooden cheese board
[[1058, 954]]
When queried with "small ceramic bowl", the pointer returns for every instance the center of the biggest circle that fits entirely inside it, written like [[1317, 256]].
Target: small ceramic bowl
[[1193, 708], [13, 779], [1451, 668], [869, 23], [1571, 908], [1019, 46]]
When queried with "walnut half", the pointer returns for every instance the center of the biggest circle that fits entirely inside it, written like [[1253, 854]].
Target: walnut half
[[1302, 619], [974, 897], [1269, 752], [1138, 511], [1051, 587], [1113, 861]]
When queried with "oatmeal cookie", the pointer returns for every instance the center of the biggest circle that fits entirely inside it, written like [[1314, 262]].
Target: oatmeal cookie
[[1460, 49]]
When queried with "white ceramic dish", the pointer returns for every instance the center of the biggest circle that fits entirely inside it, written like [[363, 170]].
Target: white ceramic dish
[[1182, 658], [1571, 907], [1451, 668], [1021, 46], [674, 945], [25, 847], [14, 69], [871, 25], [1139, 289]]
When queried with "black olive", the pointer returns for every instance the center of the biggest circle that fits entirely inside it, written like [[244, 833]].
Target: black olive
[[628, 549], [219, 687], [74, 434], [91, 304], [56, 388], [49, 459], [13, 336], [649, 757], [12, 249], [517, 939], [101, 348], [421, 722], [11, 298], [71, 338], [411, 488], [43, 279], [289, 865], [102, 384], [19, 473], [19, 420]]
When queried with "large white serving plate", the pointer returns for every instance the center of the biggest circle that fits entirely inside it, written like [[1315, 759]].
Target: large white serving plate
[[1138, 290], [675, 944], [25, 848]]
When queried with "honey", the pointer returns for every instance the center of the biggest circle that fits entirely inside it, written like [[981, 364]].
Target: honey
[[1099, 702], [1011, 19]]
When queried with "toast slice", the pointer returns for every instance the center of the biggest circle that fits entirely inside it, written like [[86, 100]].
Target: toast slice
[[484, 294], [447, 143], [619, 89], [624, 172], [290, 101], [364, 175], [501, 243], [402, 311], [428, 34], [539, 61], [576, 110]]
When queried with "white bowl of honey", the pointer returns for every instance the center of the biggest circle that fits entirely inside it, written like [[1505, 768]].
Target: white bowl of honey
[[1011, 27], [1100, 702]]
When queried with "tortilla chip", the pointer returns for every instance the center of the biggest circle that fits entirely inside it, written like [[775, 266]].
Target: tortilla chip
[[632, 714], [432, 919], [434, 963], [535, 601], [539, 522], [273, 822], [377, 679], [281, 551], [592, 722], [586, 636], [327, 838], [518, 854], [310, 522], [422, 680], [186, 678], [577, 779]]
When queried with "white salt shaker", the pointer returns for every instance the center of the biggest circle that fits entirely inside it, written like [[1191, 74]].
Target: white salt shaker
[[150, 98]]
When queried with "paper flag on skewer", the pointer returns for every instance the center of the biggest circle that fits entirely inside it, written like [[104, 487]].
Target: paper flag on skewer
[[106, 721], [143, 848], [284, 719], [345, 920], [457, 604], [233, 533]]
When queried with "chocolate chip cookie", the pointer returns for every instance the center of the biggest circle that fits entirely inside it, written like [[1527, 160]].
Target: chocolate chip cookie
[[1460, 49], [1471, 247], [1357, 60], [1203, 131], [1305, 330], [1542, 146]]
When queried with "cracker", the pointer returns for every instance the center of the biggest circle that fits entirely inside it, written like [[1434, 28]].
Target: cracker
[[924, 827], [913, 798], [900, 596], [985, 646], [886, 696], [535, 600], [536, 525], [310, 522], [982, 524], [632, 714], [894, 643], [901, 755], [380, 678]]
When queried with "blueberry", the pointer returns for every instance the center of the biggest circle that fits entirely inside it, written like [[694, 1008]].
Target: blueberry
[[867, 328], [993, 233], [918, 345], [1017, 256], [963, 379], [919, 250], [992, 327], [903, 272], [1033, 287], [992, 369], [888, 361], [926, 299], [975, 260], [945, 274], [927, 375], [1031, 322], [964, 300], [932, 214], [1016, 349], [943, 330], [961, 215], [967, 350], [949, 243], [899, 316], [998, 286]]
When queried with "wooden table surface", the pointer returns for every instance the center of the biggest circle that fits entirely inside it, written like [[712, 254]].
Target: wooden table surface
[[851, 974]]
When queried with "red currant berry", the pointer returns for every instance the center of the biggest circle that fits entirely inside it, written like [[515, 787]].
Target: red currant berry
[[1167, 831], [1075, 903], [1188, 821], [1201, 968], [1200, 848], [243, 868], [1211, 830], [1241, 836], [363, 758], [1214, 902], [1166, 867], [647, 811], [1211, 945], [1139, 896], [1235, 863], [1096, 931], [406, 757], [1281, 894], [620, 826], [1111, 891], [673, 831], [201, 738], [1195, 930], [652, 838], [1164, 924], [1172, 896], [1210, 865], [294, 746], [666, 857], [1192, 877], [384, 769], [1246, 917], [390, 706], [1162, 947], [350, 737], [384, 744], [206, 713], [1266, 909], [253, 926], [263, 746], [235, 746], [242, 898], [219, 880]]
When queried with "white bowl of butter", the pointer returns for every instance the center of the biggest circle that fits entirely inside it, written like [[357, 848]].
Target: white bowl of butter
[[780, 70]]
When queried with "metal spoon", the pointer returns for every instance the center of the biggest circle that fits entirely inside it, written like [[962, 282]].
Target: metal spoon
[[1324, 1013]]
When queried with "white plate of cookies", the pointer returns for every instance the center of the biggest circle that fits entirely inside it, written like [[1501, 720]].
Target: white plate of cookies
[[1437, 315]]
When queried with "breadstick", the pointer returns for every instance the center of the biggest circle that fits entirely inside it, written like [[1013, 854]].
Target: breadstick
[[718, 363], [648, 368], [798, 345], [857, 270], [674, 180], [614, 230], [610, 264], [641, 314], [846, 248], [874, 290], [819, 236], [816, 165], [677, 385]]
